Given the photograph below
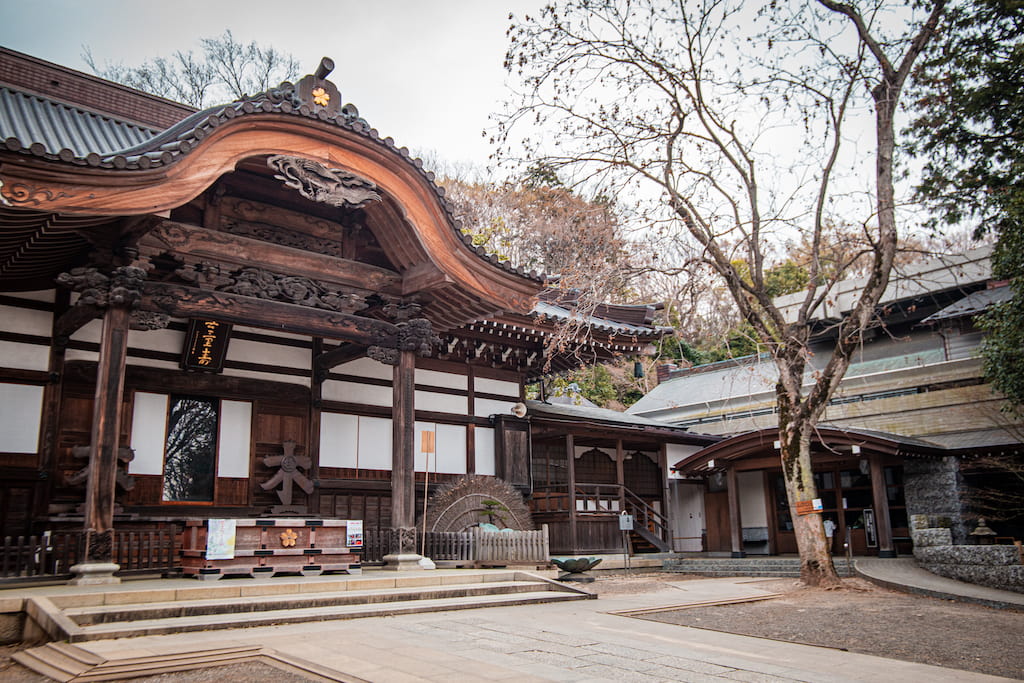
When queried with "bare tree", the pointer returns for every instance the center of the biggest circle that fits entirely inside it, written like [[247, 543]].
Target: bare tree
[[681, 103], [226, 69]]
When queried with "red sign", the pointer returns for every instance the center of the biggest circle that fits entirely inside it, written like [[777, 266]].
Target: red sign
[[804, 507]]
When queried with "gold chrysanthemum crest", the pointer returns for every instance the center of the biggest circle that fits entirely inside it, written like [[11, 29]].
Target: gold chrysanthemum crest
[[321, 97]]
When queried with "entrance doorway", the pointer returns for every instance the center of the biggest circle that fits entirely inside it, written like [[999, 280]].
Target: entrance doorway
[[847, 501]]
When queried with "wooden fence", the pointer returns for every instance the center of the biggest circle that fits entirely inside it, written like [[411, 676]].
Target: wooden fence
[[475, 545], [51, 555], [510, 547]]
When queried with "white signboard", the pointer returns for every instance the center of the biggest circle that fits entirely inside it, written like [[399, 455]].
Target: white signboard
[[354, 533], [625, 522], [220, 539]]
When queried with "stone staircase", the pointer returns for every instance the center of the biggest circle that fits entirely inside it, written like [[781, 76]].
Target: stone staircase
[[767, 567], [235, 604]]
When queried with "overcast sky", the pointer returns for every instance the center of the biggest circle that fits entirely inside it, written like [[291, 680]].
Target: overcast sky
[[426, 72]]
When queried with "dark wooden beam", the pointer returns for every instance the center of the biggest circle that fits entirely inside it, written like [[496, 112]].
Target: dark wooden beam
[[424, 277], [74, 319], [570, 456], [337, 356], [189, 302], [883, 525], [181, 238]]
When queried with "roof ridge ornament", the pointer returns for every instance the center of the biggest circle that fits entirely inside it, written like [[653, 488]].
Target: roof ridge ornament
[[316, 182]]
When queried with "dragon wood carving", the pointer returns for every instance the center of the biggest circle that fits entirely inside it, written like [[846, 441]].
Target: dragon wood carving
[[318, 183]]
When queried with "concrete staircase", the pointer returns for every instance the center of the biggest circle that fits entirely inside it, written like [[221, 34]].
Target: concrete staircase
[[235, 604], [767, 567]]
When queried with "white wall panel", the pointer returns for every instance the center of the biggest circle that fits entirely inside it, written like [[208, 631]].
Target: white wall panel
[[447, 380], [269, 354], [484, 440], [482, 385], [339, 440], [365, 367], [677, 452], [24, 356], [149, 433], [441, 403], [374, 443], [485, 407], [269, 376], [235, 437], [21, 411], [350, 392], [752, 502], [451, 449], [168, 341], [421, 457], [26, 320], [92, 331]]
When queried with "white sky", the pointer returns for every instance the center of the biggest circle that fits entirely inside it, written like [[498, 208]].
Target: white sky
[[426, 72]]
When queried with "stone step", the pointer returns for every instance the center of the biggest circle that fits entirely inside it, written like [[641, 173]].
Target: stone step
[[766, 567], [143, 627], [106, 614]]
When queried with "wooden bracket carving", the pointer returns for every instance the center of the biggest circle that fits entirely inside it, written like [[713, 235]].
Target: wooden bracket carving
[[316, 182], [288, 473]]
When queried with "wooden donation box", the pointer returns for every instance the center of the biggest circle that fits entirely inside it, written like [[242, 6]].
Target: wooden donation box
[[212, 548]]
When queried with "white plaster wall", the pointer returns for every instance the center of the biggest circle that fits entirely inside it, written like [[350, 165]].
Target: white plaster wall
[[688, 504], [482, 385], [149, 433], [447, 380], [27, 321], [421, 457], [752, 501], [365, 367], [441, 403], [234, 439], [92, 332], [269, 376], [21, 412], [484, 442], [24, 356], [350, 392], [168, 341], [46, 295], [677, 452], [247, 351], [484, 407], [374, 443], [339, 440], [451, 449]]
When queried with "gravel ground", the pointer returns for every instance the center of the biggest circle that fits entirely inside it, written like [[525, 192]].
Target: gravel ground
[[859, 617]]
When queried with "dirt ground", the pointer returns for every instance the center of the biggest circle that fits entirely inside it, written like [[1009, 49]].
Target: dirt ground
[[860, 617]]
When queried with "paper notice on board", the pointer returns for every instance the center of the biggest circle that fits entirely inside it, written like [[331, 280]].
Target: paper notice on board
[[354, 533], [220, 539]]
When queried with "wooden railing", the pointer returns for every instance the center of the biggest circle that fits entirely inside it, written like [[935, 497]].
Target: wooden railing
[[510, 547], [51, 555], [603, 500]]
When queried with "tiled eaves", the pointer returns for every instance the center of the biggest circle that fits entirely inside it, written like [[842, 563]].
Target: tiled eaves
[[166, 147]]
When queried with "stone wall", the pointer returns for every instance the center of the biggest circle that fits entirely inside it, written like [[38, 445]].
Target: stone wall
[[934, 488], [997, 566]]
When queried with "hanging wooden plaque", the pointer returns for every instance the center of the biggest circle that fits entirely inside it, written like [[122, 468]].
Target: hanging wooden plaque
[[206, 345]]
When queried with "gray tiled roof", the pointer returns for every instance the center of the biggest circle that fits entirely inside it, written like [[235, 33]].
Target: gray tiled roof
[[556, 312], [45, 127], [971, 304], [595, 413], [39, 127]]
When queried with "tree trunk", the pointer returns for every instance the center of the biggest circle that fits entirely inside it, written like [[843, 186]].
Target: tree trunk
[[816, 567]]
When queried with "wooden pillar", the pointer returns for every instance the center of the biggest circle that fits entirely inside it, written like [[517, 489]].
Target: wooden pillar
[[881, 502], [313, 438], [620, 473], [735, 522], [106, 429], [570, 454], [666, 498], [403, 444]]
